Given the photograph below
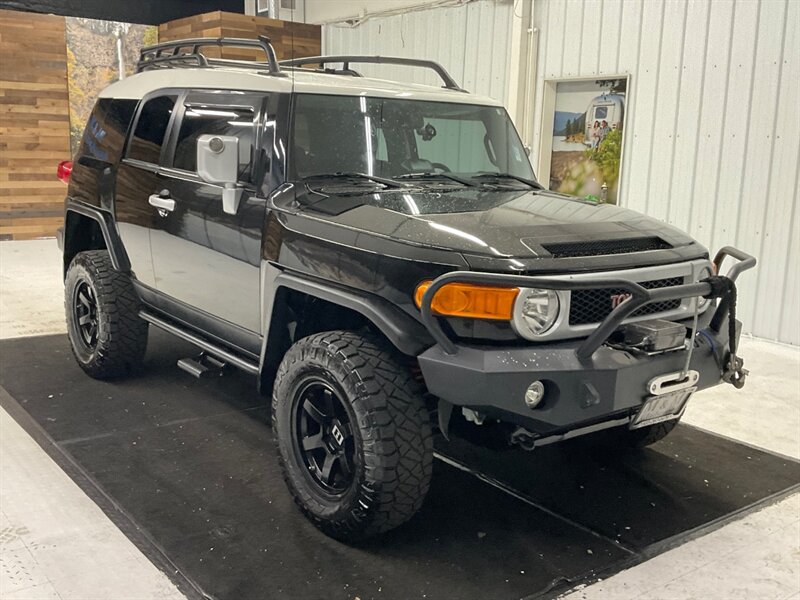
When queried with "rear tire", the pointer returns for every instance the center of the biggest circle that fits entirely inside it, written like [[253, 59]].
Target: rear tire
[[352, 433], [107, 336]]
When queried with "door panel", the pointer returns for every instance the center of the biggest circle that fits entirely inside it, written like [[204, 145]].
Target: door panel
[[203, 257], [137, 178], [136, 218]]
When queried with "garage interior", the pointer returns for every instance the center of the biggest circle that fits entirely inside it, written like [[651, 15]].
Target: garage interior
[[162, 486]]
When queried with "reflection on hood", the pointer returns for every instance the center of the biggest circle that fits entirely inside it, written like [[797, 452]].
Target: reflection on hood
[[488, 222]]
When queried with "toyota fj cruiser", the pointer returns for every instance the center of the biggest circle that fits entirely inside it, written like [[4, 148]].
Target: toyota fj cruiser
[[382, 259]]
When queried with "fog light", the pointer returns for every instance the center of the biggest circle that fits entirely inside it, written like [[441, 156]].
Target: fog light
[[534, 394]]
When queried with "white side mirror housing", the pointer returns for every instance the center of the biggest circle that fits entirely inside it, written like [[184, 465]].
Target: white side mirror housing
[[218, 162]]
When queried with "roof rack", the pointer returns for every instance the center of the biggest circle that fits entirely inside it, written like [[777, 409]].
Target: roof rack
[[449, 82], [186, 53]]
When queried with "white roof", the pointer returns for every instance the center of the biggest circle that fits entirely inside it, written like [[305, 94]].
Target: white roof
[[302, 82]]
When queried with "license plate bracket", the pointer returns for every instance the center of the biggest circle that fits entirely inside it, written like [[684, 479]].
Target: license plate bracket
[[663, 407]]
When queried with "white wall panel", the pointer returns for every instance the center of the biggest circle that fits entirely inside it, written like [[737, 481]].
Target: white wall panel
[[472, 41], [712, 132]]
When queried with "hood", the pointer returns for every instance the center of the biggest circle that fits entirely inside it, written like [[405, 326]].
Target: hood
[[488, 223]]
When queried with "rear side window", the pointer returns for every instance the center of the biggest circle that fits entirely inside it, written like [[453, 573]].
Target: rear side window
[[151, 129], [205, 120], [104, 136]]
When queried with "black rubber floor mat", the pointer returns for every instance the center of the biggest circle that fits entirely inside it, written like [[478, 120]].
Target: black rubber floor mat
[[191, 463]]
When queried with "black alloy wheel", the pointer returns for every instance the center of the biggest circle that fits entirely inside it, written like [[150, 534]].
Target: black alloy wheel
[[105, 332], [323, 437], [84, 306], [352, 432]]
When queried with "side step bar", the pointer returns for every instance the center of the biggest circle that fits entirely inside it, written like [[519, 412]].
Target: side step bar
[[203, 366], [211, 348]]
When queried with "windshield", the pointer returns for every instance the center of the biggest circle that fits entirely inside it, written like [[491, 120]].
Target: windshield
[[390, 137]]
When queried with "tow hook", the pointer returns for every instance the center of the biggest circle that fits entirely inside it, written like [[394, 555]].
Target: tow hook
[[735, 373], [725, 289]]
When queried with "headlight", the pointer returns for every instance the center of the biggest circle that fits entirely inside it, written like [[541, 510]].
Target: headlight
[[705, 273], [535, 312]]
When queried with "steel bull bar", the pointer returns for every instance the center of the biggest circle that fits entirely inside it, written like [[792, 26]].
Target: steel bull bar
[[708, 288]]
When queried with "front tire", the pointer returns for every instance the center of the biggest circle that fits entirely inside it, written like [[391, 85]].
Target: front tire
[[107, 336], [352, 433]]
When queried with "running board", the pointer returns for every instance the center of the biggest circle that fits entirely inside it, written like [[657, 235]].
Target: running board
[[215, 350], [203, 366]]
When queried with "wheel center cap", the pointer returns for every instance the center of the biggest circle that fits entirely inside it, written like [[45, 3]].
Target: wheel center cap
[[336, 434]]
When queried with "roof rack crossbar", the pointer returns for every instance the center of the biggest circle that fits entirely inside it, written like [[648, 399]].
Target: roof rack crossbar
[[449, 82], [184, 60], [177, 52]]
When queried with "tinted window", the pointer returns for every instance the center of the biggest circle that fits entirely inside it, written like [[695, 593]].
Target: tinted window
[[391, 137], [199, 121], [106, 128], [151, 128], [456, 142], [601, 112]]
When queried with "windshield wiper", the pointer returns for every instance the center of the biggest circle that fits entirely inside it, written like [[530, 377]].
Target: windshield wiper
[[428, 175], [354, 175], [498, 175]]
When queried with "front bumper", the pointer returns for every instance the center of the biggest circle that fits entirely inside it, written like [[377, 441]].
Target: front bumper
[[611, 384], [586, 381]]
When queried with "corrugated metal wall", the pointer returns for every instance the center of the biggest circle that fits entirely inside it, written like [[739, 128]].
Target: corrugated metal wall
[[713, 124], [471, 41]]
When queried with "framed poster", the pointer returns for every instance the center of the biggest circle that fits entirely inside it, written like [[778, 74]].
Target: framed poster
[[582, 136]]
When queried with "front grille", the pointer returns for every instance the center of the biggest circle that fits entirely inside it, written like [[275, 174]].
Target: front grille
[[601, 247], [592, 306]]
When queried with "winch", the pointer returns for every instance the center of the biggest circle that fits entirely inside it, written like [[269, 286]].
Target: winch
[[649, 337]]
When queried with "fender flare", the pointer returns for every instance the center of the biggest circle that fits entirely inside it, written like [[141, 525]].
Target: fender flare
[[116, 250], [408, 335]]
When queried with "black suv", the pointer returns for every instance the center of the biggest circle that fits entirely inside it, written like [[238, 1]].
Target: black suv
[[382, 259]]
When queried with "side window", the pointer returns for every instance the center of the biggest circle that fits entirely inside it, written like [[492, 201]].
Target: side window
[[197, 121], [106, 128], [151, 129]]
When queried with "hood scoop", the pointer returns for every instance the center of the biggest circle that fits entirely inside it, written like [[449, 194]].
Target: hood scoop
[[605, 247]]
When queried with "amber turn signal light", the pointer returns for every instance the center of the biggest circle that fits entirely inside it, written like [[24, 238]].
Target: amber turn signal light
[[470, 301]]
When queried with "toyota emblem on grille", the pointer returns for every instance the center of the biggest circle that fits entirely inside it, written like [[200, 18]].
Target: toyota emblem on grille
[[617, 299]]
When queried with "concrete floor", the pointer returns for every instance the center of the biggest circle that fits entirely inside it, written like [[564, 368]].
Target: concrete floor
[[55, 543]]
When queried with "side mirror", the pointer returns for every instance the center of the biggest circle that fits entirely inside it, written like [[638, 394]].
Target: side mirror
[[218, 162]]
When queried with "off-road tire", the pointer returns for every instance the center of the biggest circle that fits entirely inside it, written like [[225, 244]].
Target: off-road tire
[[121, 336], [391, 433]]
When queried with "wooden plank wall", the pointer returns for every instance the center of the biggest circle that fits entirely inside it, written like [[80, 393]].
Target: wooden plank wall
[[34, 124], [290, 40], [34, 103]]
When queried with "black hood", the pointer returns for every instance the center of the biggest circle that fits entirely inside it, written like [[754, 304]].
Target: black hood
[[486, 222]]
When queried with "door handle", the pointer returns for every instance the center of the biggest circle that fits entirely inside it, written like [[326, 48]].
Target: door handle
[[162, 201]]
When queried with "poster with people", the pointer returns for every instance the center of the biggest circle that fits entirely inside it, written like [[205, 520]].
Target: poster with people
[[587, 138]]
